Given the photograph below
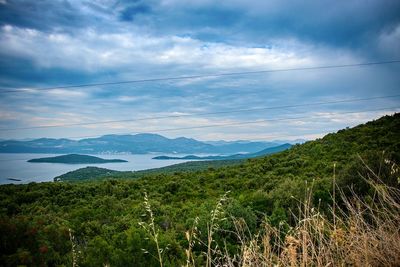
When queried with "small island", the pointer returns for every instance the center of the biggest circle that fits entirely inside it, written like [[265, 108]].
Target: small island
[[75, 159], [14, 179]]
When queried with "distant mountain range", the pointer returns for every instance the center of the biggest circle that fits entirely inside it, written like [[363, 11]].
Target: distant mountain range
[[135, 144], [264, 152]]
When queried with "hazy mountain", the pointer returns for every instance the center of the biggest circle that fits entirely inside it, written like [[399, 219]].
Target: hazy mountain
[[242, 146], [293, 142], [264, 152], [136, 144], [143, 143]]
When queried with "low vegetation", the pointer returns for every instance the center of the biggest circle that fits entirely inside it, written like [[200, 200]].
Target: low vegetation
[[329, 202]]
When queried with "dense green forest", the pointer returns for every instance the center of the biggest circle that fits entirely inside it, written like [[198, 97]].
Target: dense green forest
[[108, 222], [95, 173]]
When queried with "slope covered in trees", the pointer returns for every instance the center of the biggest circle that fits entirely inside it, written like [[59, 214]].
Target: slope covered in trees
[[95, 173], [106, 220]]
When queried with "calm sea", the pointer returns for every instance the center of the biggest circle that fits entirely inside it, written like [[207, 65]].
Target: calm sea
[[16, 166]]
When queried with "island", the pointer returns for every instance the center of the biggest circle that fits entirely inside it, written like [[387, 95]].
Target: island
[[75, 159], [14, 179]]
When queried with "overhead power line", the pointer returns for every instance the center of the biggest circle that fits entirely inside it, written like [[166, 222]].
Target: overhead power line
[[268, 137], [189, 77], [266, 120], [236, 123], [202, 114]]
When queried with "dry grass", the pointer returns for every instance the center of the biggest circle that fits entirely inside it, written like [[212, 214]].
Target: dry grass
[[356, 233], [74, 249], [364, 234], [152, 231]]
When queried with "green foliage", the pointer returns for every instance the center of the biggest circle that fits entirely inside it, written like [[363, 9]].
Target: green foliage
[[87, 173], [95, 173], [104, 215]]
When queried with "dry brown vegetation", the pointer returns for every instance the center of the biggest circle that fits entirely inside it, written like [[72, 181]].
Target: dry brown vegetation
[[365, 233], [356, 232], [361, 232]]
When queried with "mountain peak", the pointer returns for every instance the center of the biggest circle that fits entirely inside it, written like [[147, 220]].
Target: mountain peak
[[137, 144]]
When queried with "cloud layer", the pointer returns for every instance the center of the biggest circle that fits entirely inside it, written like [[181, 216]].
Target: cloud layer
[[52, 42]]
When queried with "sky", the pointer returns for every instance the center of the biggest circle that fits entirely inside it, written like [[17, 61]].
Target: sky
[[56, 43]]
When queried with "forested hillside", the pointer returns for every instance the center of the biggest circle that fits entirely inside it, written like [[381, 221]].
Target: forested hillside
[[95, 173], [108, 222]]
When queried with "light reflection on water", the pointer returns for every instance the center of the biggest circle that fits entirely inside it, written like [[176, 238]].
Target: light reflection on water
[[15, 166]]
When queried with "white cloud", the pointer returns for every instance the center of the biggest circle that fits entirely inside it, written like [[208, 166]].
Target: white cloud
[[63, 93], [53, 93], [128, 99], [92, 51], [135, 54], [8, 115], [389, 42]]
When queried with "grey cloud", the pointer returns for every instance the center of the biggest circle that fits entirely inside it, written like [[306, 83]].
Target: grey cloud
[[93, 41], [44, 15], [129, 13], [339, 23]]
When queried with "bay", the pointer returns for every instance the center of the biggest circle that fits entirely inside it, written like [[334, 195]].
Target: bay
[[15, 166]]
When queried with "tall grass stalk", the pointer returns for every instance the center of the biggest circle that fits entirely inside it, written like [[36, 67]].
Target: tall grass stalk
[[356, 231], [151, 229], [191, 236], [73, 249], [216, 214], [364, 234]]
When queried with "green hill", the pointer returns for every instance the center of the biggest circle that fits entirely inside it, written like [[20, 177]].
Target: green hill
[[104, 216], [75, 159], [87, 173], [95, 173]]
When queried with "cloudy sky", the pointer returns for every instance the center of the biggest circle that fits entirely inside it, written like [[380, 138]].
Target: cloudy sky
[[56, 43]]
